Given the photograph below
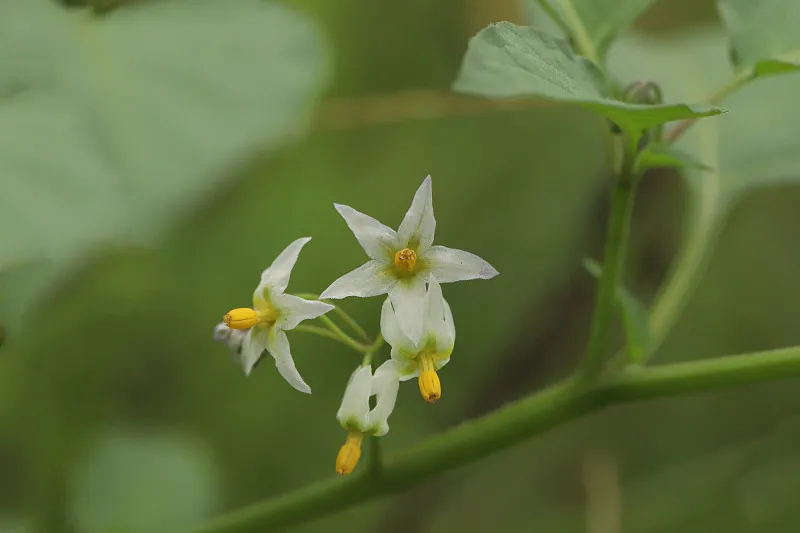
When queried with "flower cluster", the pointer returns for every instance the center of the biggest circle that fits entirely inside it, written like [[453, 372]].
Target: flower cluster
[[415, 320]]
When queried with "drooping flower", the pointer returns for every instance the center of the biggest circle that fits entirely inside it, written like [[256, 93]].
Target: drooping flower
[[273, 313], [402, 261], [422, 358], [355, 414]]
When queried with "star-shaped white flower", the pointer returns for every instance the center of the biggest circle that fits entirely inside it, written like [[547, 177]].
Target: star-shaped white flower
[[272, 314], [355, 414], [431, 352], [402, 261]]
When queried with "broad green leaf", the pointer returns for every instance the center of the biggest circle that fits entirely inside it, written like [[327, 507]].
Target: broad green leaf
[[660, 156], [509, 61], [111, 127], [144, 484], [635, 317], [764, 34], [597, 22]]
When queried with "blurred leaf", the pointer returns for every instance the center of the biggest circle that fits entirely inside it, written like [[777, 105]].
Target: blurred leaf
[[144, 485], [770, 490], [753, 145], [764, 34], [112, 127], [660, 156], [599, 20], [635, 317], [509, 61], [14, 525]]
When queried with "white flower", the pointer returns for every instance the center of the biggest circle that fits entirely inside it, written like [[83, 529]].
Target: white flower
[[402, 261], [432, 351], [355, 414], [272, 314]]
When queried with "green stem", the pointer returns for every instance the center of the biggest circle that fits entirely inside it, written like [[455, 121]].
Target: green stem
[[616, 238], [374, 347], [349, 320], [342, 336], [555, 17], [323, 332], [503, 428], [583, 43]]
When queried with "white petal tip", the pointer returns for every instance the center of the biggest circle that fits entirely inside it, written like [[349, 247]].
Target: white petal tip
[[489, 272], [306, 390], [327, 296]]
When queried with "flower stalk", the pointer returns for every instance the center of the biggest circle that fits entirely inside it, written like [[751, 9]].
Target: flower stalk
[[622, 197]]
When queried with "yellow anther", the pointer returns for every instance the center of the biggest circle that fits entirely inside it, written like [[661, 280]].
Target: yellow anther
[[405, 259], [242, 318], [349, 453], [429, 384]]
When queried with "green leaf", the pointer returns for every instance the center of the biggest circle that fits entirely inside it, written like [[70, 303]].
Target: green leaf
[[509, 61], [660, 156], [112, 127], [764, 34], [597, 22], [145, 484], [752, 146], [635, 317]]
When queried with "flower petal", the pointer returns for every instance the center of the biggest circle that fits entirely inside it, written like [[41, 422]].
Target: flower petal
[[385, 384], [407, 367], [419, 225], [408, 301], [449, 325], [354, 410], [370, 279], [378, 240], [448, 265], [294, 310], [253, 346], [277, 275], [278, 347], [390, 329], [439, 317]]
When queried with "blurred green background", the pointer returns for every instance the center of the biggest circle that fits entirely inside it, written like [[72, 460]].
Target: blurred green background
[[119, 414]]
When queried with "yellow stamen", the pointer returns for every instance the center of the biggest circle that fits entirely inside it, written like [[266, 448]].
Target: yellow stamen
[[429, 384], [405, 259], [349, 453], [241, 318]]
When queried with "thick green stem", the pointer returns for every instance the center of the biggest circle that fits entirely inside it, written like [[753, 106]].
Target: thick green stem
[[616, 239], [503, 428]]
